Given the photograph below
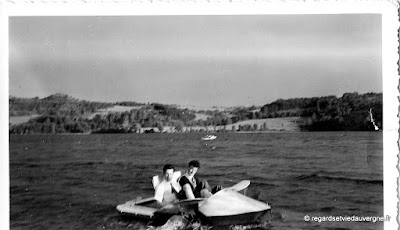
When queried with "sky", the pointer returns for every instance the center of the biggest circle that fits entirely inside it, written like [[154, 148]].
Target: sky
[[233, 60]]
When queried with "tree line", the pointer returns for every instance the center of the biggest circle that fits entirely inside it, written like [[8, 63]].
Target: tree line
[[61, 113], [347, 113], [57, 104]]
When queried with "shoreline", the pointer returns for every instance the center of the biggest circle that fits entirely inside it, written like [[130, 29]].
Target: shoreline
[[189, 133]]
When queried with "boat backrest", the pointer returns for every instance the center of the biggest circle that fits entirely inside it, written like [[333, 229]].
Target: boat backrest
[[158, 178]]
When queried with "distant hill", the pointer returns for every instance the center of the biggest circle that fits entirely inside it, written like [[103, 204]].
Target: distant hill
[[60, 113], [59, 104]]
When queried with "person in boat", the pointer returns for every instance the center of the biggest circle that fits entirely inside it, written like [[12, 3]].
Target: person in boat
[[192, 187], [168, 189]]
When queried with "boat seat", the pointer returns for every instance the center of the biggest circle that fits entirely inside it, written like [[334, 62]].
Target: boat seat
[[158, 178]]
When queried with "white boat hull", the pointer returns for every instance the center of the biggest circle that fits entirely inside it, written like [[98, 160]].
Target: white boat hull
[[230, 207], [226, 207], [209, 138]]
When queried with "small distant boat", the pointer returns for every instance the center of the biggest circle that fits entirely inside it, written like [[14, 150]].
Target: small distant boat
[[209, 138]]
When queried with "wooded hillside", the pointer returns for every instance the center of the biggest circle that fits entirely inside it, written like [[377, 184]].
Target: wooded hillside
[[61, 113], [349, 112]]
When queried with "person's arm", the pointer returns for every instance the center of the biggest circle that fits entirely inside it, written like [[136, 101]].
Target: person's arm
[[188, 191]]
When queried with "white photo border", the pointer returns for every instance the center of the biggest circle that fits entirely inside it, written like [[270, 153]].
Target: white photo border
[[390, 56]]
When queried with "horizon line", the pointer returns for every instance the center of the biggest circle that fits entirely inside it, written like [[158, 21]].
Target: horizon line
[[195, 106]]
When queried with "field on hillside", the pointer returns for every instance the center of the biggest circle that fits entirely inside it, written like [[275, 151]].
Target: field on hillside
[[21, 119], [204, 108], [201, 116], [120, 109], [114, 109]]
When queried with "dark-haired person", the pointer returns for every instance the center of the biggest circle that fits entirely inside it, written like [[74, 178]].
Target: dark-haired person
[[167, 189], [191, 186]]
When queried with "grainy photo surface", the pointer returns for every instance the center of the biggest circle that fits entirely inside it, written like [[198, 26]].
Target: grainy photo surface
[[283, 113]]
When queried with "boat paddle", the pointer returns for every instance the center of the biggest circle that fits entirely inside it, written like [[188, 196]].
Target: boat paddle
[[141, 201], [237, 187]]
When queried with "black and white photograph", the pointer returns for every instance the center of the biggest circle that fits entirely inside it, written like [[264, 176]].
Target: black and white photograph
[[210, 115]]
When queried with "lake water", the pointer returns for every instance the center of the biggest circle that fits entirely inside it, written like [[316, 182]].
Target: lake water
[[76, 181]]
